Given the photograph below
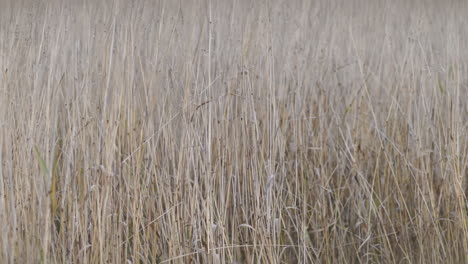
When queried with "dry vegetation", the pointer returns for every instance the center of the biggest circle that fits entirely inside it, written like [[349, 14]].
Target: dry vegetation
[[303, 132]]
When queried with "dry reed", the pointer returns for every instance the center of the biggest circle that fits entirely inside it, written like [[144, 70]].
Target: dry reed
[[233, 131]]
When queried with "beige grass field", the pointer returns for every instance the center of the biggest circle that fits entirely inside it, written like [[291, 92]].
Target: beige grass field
[[233, 131]]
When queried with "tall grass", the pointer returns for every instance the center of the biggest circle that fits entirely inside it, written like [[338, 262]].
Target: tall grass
[[233, 131]]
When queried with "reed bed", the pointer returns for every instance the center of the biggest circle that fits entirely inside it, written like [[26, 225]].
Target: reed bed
[[233, 131]]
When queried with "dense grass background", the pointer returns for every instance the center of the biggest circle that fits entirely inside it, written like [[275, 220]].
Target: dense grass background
[[233, 131]]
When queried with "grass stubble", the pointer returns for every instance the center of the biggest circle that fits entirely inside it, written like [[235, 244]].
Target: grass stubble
[[233, 131]]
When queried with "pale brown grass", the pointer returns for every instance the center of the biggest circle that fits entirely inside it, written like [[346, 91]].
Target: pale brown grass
[[233, 131]]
